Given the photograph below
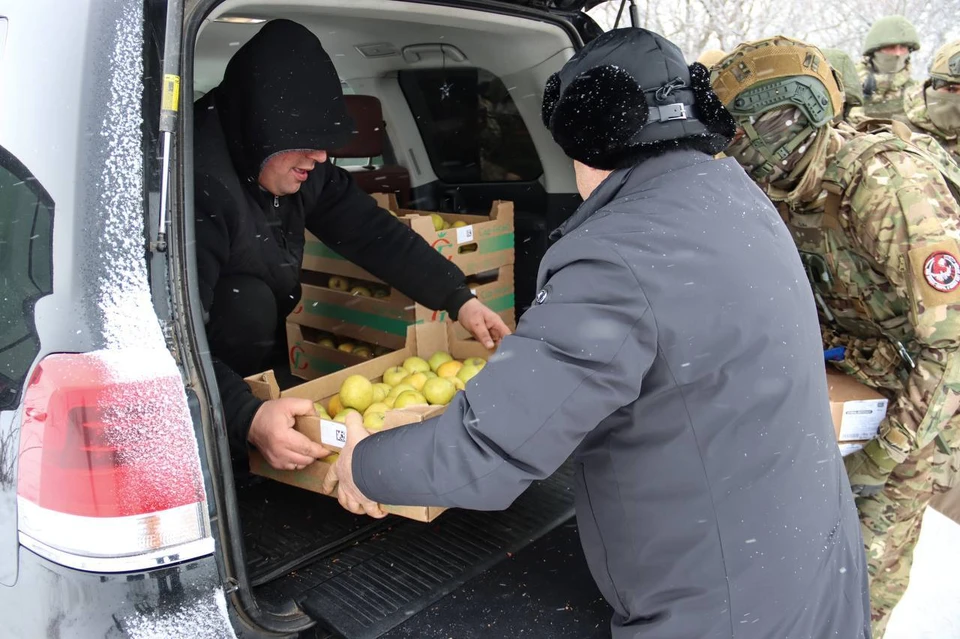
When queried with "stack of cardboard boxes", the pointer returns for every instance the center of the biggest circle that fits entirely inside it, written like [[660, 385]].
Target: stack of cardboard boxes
[[344, 302]]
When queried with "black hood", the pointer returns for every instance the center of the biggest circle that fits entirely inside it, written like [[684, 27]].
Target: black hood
[[280, 92], [628, 89]]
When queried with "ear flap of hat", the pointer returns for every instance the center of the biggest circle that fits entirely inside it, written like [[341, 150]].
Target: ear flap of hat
[[712, 112], [551, 95], [596, 116]]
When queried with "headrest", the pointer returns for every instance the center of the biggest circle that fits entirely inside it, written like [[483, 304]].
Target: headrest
[[367, 139]]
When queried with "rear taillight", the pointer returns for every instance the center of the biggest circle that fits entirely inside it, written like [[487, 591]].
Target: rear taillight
[[109, 475]]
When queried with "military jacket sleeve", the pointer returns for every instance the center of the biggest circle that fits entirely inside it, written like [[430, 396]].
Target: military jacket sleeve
[[907, 221]]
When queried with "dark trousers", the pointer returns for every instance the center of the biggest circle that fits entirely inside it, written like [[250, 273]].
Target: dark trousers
[[247, 330]]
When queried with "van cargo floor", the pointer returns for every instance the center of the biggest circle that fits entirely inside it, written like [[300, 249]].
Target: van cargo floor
[[387, 574]]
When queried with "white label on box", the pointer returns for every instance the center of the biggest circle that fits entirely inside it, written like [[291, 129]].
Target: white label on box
[[861, 418], [473, 290], [465, 234], [850, 448], [333, 433]]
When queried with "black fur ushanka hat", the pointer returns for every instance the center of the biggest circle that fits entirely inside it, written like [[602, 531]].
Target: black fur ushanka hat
[[626, 91]]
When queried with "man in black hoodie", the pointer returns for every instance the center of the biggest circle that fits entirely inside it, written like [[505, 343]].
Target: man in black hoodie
[[261, 179]]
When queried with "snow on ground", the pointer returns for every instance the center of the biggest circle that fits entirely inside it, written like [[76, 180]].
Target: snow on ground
[[931, 607]]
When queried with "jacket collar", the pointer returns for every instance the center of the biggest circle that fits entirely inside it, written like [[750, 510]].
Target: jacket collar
[[623, 182]]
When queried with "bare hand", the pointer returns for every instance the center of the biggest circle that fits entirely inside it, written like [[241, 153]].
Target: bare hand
[[273, 435], [484, 324], [340, 476]]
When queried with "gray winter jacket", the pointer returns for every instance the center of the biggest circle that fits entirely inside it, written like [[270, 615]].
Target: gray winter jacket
[[674, 350]]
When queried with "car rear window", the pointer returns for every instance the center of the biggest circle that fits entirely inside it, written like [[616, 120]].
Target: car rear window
[[470, 126], [26, 271]]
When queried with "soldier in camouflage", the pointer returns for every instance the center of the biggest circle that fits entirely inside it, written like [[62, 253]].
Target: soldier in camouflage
[[934, 107], [885, 68], [877, 228], [850, 83]]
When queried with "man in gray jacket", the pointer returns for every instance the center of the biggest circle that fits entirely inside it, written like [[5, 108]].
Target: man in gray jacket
[[674, 350]]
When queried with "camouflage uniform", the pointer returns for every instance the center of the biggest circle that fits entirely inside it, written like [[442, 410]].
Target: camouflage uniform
[[850, 83], [883, 93], [883, 90], [945, 68], [877, 228]]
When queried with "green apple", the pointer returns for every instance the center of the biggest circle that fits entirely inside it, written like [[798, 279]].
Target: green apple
[[416, 364], [439, 391]]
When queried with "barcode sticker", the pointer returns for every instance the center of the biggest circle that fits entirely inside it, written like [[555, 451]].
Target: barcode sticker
[[333, 433], [861, 418], [464, 234]]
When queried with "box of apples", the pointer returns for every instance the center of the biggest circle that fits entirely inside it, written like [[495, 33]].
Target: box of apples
[[400, 388], [362, 312], [475, 243]]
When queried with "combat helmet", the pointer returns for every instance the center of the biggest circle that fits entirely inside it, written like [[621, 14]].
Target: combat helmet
[[778, 72], [946, 64], [888, 31], [843, 64]]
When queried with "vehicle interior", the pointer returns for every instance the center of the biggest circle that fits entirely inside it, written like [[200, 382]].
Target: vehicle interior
[[447, 104]]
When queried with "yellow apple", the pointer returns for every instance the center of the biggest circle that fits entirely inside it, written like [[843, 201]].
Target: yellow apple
[[467, 372], [459, 224], [376, 407], [479, 362], [409, 398], [321, 411], [399, 388], [339, 283], [417, 380], [438, 359], [416, 364], [380, 391], [342, 415], [450, 369], [347, 347], [327, 342], [363, 351], [356, 392], [456, 381], [374, 421], [335, 406], [438, 221], [362, 291], [394, 375], [439, 391]]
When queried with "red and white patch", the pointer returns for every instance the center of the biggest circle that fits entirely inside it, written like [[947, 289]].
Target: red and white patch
[[942, 271]]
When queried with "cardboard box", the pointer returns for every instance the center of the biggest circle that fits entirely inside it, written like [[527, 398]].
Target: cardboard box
[[857, 410], [848, 448], [486, 243], [422, 340], [309, 359], [384, 321]]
